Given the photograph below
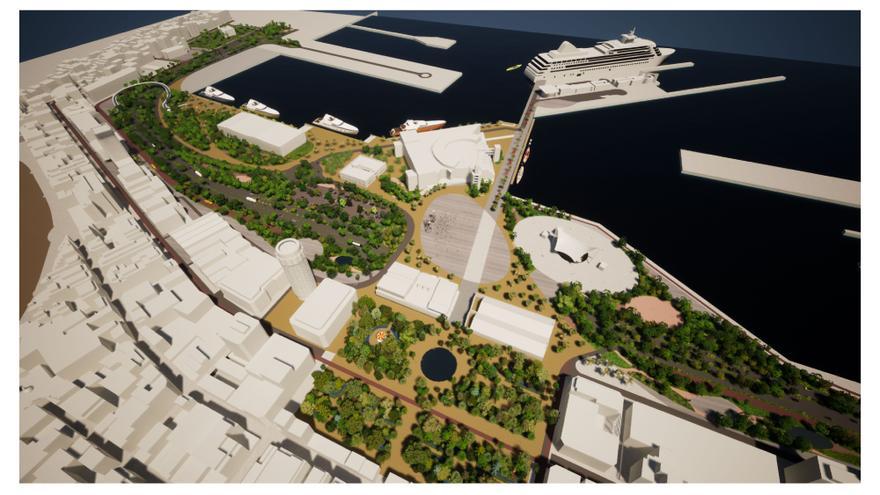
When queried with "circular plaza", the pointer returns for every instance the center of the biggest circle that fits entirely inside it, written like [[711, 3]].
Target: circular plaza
[[573, 251]]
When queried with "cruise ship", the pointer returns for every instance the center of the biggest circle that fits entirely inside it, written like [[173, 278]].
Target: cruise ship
[[334, 124], [215, 94], [255, 106], [626, 56], [418, 126]]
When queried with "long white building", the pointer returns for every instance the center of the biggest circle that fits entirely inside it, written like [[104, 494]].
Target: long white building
[[507, 324], [269, 135], [422, 292]]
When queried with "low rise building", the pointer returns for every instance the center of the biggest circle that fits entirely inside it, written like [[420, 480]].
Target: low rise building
[[230, 265], [363, 171], [507, 324], [624, 441], [818, 469], [269, 135], [422, 292], [324, 312]]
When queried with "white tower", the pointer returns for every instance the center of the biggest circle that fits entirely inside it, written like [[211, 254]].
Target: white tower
[[293, 259]]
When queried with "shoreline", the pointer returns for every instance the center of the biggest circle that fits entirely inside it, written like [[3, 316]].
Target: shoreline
[[840, 382], [34, 228]]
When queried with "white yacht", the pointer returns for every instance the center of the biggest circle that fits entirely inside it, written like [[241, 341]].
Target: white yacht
[[215, 94], [255, 106], [418, 126], [332, 123], [626, 56]]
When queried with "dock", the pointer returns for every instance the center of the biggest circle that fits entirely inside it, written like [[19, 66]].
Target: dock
[[431, 41], [777, 179], [635, 93], [421, 76]]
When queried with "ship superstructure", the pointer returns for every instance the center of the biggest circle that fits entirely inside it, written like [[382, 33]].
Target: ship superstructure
[[626, 56]]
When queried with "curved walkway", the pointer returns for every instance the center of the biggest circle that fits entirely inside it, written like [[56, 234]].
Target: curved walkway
[[154, 83]]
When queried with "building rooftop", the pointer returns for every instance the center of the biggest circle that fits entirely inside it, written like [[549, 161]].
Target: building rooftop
[[509, 325], [423, 292]]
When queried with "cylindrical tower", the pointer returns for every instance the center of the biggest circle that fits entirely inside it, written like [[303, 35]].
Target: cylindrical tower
[[293, 259]]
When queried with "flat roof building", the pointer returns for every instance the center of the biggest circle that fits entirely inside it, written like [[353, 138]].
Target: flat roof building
[[230, 265], [819, 469], [324, 313], [507, 324], [269, 135], [626, 441], [422, 292], [446, 156], [363, 171]]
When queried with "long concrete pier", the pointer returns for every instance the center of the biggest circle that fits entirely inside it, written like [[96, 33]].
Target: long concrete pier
[[636, 93], [431, 41], [777, 179], [390, 69]]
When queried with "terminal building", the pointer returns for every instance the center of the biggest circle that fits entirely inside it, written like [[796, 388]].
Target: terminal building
[[269, 135], [623, 441], [446, 156]]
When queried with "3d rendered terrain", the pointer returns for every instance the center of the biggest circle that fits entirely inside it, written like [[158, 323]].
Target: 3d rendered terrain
[[315, 247]]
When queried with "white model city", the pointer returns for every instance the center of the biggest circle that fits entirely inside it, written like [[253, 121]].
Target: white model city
[[627, 56], [215, 94], [255, 106], [334, 124]]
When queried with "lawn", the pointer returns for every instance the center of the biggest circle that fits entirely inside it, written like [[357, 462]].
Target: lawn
[[334, 161], [616, 359]]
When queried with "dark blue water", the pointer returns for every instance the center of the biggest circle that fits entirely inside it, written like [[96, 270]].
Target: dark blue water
[[777, 264], [43, 32], [438, 364]]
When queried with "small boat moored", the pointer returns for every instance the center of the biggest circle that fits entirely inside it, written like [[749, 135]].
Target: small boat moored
[[215, 94], [513, 67], [334, 124], [255, 106]]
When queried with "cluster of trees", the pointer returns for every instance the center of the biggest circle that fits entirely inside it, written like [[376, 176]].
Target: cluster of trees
[[374, 151], [446, 453], [348, 407], [392, 357], [475, 190], [515, 208], [841, 402], [503, 386], [775, 427], [525, 259], [399, 191], [296, 207]]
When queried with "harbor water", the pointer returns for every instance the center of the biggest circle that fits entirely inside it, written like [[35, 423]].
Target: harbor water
[[777, 264]]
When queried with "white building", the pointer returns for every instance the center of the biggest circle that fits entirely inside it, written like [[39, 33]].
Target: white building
[[227, 31], [422, 292], [296, 266], [363, 171], [819, 469], [446, 156], [324, 313], [507, 324], [230, 265], [269, 135], [625, 441]]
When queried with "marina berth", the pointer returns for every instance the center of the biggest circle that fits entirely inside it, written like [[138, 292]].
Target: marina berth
[[255, 106], [335, 124], [217, 95]]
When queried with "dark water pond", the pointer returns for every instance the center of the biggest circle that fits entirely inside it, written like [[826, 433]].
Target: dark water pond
[[438, 364]]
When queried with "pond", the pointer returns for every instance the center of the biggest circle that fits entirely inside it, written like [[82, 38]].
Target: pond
[[343, 260], [438, 364]]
